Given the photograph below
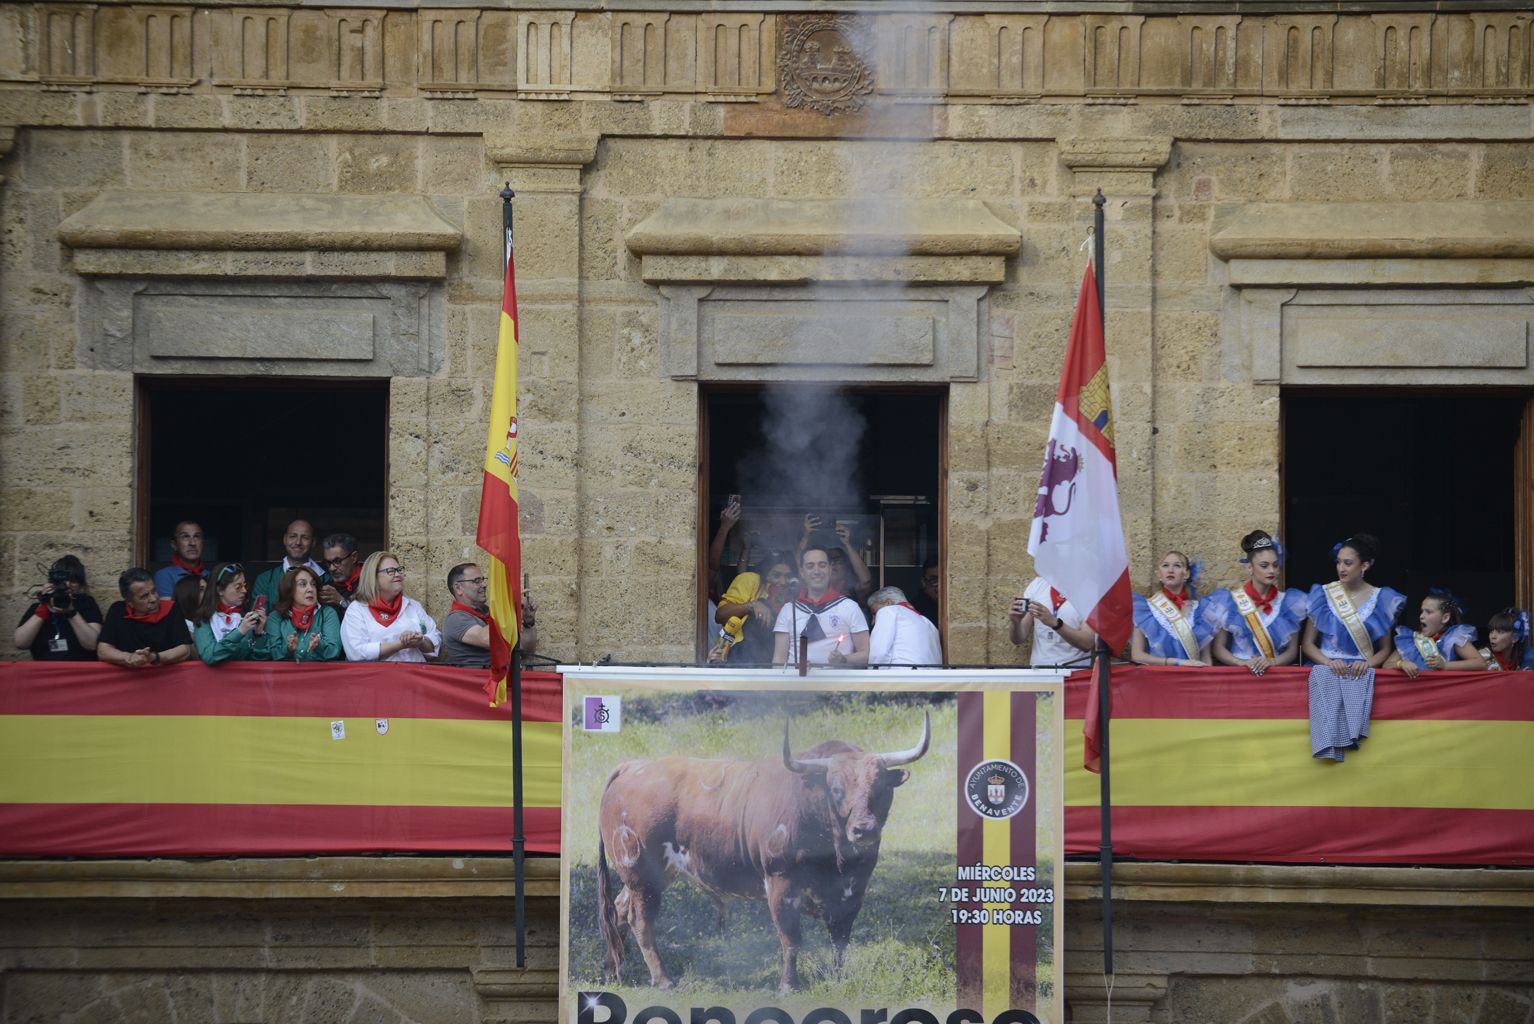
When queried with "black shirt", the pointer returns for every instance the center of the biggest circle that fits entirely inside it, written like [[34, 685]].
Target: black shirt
[[58, 626], [129, 635], [926, 605]]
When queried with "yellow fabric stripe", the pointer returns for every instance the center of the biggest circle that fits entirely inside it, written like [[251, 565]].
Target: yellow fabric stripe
[[251, 760], [1266, 763], [996, 939]]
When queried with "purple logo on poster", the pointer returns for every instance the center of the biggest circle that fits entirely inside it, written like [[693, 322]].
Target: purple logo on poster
[[601, 714]]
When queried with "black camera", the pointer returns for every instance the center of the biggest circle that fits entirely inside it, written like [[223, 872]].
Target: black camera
[[59, 597]]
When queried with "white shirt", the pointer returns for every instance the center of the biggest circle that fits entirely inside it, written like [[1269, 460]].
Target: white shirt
[[837, 623], [222, 622], [1049, 647], [362, 635], [903, 636], [311, 564]]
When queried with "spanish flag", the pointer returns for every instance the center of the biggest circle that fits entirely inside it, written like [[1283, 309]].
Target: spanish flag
[[499, 534]]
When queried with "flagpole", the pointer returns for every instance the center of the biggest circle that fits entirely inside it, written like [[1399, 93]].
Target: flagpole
[[518, 838], [1104, 656]]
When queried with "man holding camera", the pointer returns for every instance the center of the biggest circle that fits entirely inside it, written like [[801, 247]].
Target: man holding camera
[[141, 630], [65, 623]]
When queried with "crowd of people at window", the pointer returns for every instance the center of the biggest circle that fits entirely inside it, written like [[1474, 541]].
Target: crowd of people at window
[[338, 607], [812, 603], [1348, 624]]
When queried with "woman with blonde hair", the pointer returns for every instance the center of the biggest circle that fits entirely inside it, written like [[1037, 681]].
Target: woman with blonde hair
[[383, 624], [1168, 627]]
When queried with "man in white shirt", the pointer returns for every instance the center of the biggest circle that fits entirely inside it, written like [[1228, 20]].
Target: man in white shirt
[[901, 634], [831, 625], [1060, 634]]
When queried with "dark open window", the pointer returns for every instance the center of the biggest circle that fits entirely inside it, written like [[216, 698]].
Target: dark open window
[[869, 458], [1434, 474], [245, 457]]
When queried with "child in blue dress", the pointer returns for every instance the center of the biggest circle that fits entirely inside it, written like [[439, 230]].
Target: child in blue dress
[[1446, 641], [1256, 624], [1507, 642], [1350, 620], [1168, 627]]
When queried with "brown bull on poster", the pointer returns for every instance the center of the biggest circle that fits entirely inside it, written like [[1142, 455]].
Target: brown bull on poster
[[802, 831]]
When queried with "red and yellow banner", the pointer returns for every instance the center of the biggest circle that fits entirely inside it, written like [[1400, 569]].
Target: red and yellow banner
[[1214, 764], [499, 533], [253, 758]]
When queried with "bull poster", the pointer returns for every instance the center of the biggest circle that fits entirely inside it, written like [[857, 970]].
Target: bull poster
[[752, 847]]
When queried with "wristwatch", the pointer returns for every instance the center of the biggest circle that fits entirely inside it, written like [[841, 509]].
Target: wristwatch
[[154, 657], [1058, 623]]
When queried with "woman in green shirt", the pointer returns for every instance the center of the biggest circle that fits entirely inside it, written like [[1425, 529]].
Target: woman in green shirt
[[222, 629], [302, 629]]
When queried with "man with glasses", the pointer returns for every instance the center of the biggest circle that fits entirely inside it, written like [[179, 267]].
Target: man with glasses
[[466, 630], [297, 540], [343, 570]]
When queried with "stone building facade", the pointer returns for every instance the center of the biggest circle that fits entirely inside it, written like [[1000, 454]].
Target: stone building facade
[[309, 191], [169, 169]]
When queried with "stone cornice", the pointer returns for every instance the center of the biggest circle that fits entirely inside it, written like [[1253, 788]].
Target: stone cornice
[[1395, 53], [1466, 229], [458, 877], [1115, 154], [258, 221]]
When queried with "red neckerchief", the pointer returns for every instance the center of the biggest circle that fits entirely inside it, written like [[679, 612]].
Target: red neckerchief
[[349, 585], [165, 607], [1056, 599], [304, 618], [907, 604], [831, 596], [1178, 599], [385, 614], [1507, 661], [195, 568], [1265, 603], [1434, 636], [229, 609], [482, 616]]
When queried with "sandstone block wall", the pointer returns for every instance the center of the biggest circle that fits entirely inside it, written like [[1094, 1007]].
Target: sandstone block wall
[[1181, 119]]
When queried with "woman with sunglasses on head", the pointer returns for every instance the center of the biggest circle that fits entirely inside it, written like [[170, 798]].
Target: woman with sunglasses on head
[[1507, 642], [302, 628], [1256, 624], [383, 624], [1350, 620], [223, 629], [1168, 627]]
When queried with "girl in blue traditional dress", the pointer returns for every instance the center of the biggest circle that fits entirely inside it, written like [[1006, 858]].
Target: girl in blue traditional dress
[[1256, 624], [1507, 641], [1350, 620], [1445, 641], [1168, 627]]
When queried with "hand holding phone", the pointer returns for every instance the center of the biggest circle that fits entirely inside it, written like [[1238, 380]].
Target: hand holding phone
[[260, 605]]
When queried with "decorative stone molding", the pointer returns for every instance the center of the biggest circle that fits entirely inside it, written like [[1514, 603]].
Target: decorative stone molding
[[257, 221], [541, 164], [249, 234], [768, 228], [1120, 167], [760, 289], [1135, 997], [1372, 53], [1380, 293], [821, 65], [517, 994], [1497, 229]]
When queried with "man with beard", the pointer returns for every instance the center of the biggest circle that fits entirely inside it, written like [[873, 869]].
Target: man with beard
[[466, 630], [826, 621], [297, 540], [343, 570]]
